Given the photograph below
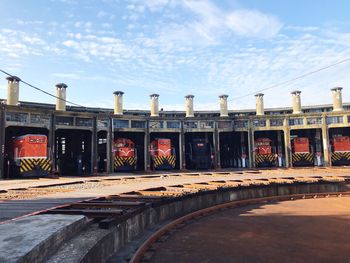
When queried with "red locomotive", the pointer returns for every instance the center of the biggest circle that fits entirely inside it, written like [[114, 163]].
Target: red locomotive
[[340, 150], [302, 154], [125, 155], [29, 156], [264, 152], [162, 154]]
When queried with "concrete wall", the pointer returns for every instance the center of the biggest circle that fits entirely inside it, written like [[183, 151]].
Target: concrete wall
[[125, 231], [25, 116]]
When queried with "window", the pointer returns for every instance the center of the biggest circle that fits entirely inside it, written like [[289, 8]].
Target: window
[[16, 116], [173, 125], [296, 121], [259, 123], [224, 124], [119, 124], [156, 124], [41, 119], [63, 145], [190, 125], [138, 124], [206, 124], [84, 122], [276, 122], [61, 120], [311, 121], [241, 124], [334, 119], [102, 140]]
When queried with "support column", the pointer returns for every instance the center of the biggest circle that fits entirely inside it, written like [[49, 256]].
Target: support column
[[183, 148], [287, 146], [2, 142], [216, 142], [52, 150], [110, 153], [94, 146], [244, 150], [325, 143], [251, 148], [147, 148], [180, 151], [318, 146]]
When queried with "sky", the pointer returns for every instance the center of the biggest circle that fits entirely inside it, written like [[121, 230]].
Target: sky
[[174, 48]]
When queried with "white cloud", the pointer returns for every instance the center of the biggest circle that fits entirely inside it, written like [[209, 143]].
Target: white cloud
[[253, 24], [101, 14]]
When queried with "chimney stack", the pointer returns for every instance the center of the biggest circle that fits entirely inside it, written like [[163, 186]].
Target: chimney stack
[[259, 104], [296, 101], [189, 105], [223, 105], [337, 99], [118, 102], [12, 90], [154, 105], [61, 96]]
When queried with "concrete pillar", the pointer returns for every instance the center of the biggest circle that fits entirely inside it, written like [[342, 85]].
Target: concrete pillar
[[243, 151], [110, 142], [182, 147], [189, 105], [325, 143], [2, 142], [12, 90], [296, 102], [118, 102], [94, 144], [259, 104], [287, 146], [61, 97], [223, 105], [251, 147], [180, 152], [287, 143], [51, 142], [337, 99], [154, 105], [318, 148], [147, 149], [216, 142]]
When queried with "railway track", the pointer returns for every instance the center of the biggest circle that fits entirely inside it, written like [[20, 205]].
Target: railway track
[[19, 202], [108, 212]]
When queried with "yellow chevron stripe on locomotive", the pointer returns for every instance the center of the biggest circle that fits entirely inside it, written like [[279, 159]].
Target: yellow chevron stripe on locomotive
[[27, 165], [337, 156], [262, 158], [298, 157], [164, 160], [124, 161]]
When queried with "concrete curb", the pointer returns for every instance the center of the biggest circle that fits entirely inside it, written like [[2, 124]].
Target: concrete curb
[[36, 238]]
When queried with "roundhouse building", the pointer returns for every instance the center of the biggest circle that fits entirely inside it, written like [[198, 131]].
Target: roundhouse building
[[81, 140]]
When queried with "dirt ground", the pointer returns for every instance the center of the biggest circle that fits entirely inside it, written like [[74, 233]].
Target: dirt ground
[[314, 230]]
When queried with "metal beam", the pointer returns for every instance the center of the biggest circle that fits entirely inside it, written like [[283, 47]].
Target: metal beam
[[2, 141]]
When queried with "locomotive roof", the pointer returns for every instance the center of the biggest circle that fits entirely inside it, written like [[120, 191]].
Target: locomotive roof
[[27, 135]]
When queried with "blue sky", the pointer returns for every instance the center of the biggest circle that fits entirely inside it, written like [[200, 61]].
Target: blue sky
[[175, 48]]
